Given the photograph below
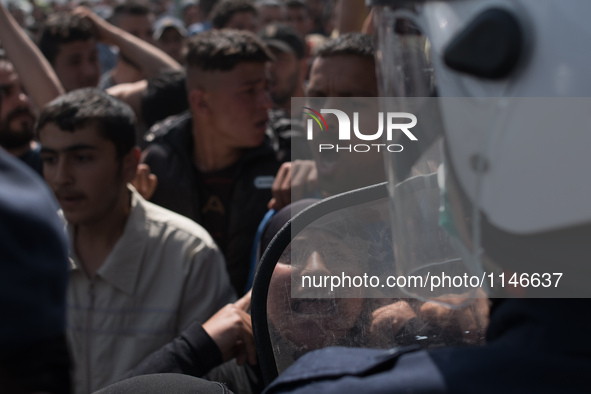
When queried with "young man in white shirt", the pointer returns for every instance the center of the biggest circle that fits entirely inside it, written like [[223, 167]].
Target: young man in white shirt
[[140, 274]]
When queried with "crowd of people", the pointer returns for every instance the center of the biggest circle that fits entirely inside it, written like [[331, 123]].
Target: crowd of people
[[145, 146]]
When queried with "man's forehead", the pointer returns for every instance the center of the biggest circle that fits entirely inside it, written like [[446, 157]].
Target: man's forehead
[[53, 137], [78, 47], [245, 73]]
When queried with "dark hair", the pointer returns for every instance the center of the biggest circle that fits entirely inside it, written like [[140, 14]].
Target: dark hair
[[222, 50], [165, 95], [225, 9], [63, 28], [268, 3], [113, 119], [297, 4], [134, 7], [349, 44]]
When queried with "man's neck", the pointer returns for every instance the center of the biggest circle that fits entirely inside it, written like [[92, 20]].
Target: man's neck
[[94, 242], [210, 155]]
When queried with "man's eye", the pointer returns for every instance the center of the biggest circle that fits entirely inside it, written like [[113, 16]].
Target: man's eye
[[83, 158]]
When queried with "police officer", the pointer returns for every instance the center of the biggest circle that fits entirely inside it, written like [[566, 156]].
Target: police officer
[[512, 175]]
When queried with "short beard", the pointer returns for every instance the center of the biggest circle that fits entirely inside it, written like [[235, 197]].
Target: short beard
[[11, 139]]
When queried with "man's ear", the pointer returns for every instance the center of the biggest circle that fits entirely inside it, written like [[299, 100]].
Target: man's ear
[[129, 164], [198, 101]]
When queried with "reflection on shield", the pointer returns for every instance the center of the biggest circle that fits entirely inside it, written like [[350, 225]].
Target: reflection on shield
[[323, 282]]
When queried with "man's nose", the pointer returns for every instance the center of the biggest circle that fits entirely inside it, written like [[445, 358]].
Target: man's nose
[[62, 174], [91, 70], [316, 264]]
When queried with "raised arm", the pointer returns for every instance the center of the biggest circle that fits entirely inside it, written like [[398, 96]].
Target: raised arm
[[34, 70], [150, 59]]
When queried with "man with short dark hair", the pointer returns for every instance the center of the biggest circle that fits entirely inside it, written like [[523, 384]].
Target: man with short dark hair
[[344, 67], [16, 118], [39, 81], [214, 164], [269, 11], [140, 274], [136, 18], [286, 80], [298, 16], [234, 14], [69, 44], [288, 70]]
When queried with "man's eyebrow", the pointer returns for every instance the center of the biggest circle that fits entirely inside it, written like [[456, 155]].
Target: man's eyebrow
[[68, 149]]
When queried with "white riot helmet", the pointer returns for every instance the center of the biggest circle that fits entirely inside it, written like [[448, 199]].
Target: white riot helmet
[[505, 83]]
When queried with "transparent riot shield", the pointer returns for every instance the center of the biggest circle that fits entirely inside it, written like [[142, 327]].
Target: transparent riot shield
[[328, 278]]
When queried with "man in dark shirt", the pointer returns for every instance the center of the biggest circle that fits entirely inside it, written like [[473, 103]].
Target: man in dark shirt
[[33, 279], [214, 164], [17, 119]]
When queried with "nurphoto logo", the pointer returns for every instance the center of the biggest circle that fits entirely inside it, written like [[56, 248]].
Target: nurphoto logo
[[391, 119]]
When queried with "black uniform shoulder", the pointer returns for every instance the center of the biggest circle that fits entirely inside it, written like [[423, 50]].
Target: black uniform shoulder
[[168, 128]]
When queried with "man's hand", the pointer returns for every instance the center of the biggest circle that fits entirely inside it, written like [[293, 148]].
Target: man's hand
[[147, 57], [231, 329], [470, 320], [145, 182], [387, 321], [104, 30], [296, 179]]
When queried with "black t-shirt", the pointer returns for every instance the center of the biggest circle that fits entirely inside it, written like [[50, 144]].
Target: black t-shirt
[[215, 193]]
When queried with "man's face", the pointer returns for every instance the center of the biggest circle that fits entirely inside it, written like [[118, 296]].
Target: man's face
[[316, 8], [237, 104], [16, 117], [242, 21], [77, 65], [306, 322], [191, 15], [138, 25], [82, 169], [269, 14], [283, 76], [299, 19], [344, 76], [172, 43]]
